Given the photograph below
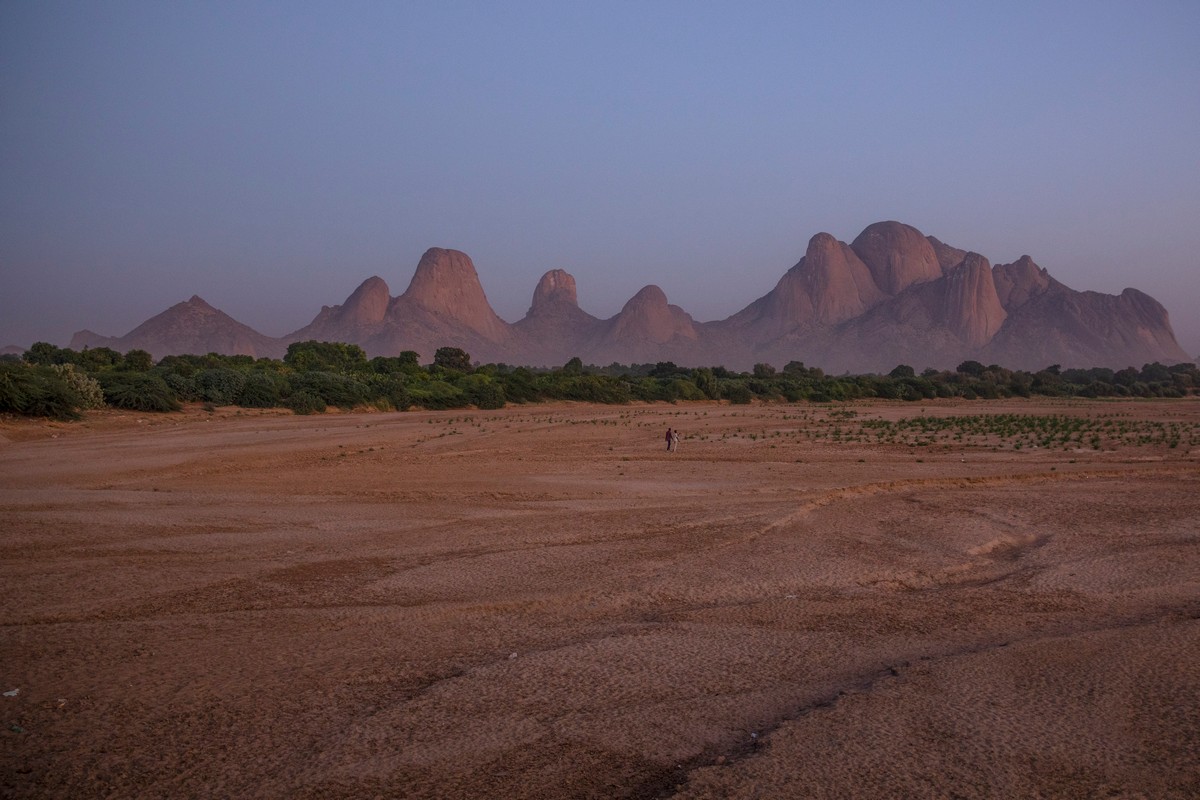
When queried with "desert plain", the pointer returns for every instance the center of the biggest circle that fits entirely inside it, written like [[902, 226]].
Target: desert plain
[[938, 599]]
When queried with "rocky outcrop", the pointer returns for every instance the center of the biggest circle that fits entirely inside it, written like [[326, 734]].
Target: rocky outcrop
[[971, 308], [444, 305], [829, 285], [649, 318], [897, 255], [1058, 325], [1021, 281], [555, 289], [840, 284], [361, 316], [948, 257], [555, 328], [447, 286]]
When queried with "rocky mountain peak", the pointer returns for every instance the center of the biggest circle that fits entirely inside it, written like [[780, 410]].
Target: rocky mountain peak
[[368, 303], [447, 285], [555, 288], [838, 283], [897, 255], [196, 303], [648, 317], [1019, 281], [948, 257]]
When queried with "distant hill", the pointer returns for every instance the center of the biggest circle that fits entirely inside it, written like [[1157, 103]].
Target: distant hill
[[192, 326], [891, 296]]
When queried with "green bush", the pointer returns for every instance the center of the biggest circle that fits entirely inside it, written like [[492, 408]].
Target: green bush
[[36, 392], [736, 392], [682, 389], [91, 395], [220, 386], [314, 356], [138, 391], [520, 386], [435, 395], [481, 391], [343, 391], [306, 402], [184, 386], [259, 390]]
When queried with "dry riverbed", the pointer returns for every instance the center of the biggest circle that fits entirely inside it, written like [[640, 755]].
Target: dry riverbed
[[967, 599]]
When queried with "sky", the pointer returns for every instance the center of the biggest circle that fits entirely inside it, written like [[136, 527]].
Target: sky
[[270, 156]]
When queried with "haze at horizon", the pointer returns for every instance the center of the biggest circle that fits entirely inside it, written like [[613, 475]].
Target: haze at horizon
[[269, 157]]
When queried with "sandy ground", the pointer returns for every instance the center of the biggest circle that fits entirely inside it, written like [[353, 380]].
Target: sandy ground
[[541, 602]]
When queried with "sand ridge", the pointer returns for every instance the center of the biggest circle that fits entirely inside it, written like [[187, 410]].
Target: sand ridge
[[542, 602]]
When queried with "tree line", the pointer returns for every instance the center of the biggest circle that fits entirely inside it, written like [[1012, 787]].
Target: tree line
[[61, 383]]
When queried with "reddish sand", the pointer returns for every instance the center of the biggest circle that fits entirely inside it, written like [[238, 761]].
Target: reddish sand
[[541, 602]]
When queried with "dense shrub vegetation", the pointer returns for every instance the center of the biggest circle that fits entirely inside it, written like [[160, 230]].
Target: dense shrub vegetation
[[58, 382]]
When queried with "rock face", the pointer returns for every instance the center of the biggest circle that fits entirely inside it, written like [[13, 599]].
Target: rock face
[[948, 257], [898, 256], [1021, 281], [557, 287], [192, 326], [892, 296], [970, 306]]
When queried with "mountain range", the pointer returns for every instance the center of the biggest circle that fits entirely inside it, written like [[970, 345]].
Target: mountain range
[[892, 296]]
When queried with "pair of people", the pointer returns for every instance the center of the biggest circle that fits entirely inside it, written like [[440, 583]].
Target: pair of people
[[672, 440]]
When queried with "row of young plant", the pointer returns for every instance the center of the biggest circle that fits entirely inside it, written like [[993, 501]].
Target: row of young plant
[[59, 382]]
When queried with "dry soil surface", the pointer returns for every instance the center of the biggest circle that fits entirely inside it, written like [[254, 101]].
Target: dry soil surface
[[877, 600]]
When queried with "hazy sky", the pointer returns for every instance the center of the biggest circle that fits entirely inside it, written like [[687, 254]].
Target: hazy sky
[[271, 156]]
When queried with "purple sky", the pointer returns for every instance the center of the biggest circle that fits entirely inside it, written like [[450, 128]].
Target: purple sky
[[271, 156]]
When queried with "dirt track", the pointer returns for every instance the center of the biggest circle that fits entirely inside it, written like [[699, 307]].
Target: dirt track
[[541, 602]]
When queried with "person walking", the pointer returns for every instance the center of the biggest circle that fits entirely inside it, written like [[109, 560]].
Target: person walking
[[673, 445], [670, 438]]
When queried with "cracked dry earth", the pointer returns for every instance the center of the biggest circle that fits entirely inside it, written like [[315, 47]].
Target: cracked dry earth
[[540, 602]]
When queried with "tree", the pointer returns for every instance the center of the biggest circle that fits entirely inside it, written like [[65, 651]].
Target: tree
[[44, 354], [707, 382], [970, 368], [1155, 373], [904, 371], [573, 367], [481, 391], [97, 358], [407, 361], [139, 361], [454, 358], [336, 357], [763, 371]]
